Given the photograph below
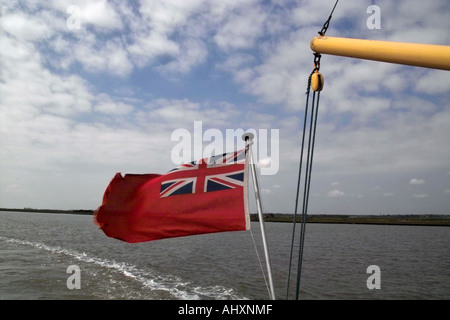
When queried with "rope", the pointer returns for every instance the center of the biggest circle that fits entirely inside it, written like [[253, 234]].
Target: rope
[[327, 23], [260, 264], [312, 132], [309, 162], [307, 185], [308, 89]]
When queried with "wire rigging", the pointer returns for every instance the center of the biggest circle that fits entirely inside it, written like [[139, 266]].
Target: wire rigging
[[307, 182], [317, 87], [260, 263], [298, 182], [307, 186], [327, 23]]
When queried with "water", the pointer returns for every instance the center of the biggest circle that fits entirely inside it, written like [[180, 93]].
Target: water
[[37, 248]]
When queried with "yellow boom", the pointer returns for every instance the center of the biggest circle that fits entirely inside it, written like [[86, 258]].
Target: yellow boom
[[419, 55]]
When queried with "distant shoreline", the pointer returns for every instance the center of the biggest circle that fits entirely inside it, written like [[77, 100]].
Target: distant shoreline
[[388, 219], [60, 211], [397, 219]]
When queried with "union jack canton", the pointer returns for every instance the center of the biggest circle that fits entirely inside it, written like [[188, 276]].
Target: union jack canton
[[216, 173]]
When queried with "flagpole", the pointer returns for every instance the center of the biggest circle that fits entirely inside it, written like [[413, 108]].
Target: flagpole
[[248, 138]]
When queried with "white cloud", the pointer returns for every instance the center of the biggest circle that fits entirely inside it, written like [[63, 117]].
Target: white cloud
[[241, 29], [117, 61], [420, 196], [25, 82], [434, 82], [100, 14], [107, 105], [192, 52], [336, 193], [416, 181], [165, 16], [159, 20], [400, 142], [236, 61], [180, 110], [147, 47], [94, 52], [25, 27], [411, 25], [110, 57], [276, 81]]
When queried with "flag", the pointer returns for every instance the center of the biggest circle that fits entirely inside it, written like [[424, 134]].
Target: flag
[[204, 196]]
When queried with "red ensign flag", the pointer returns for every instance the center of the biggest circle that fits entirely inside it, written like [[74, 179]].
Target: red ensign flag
[[205, 196]]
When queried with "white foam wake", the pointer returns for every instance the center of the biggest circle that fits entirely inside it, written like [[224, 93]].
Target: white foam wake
[[173, 285]]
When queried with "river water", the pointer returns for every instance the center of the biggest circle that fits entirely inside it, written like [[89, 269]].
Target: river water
[[36, 250]]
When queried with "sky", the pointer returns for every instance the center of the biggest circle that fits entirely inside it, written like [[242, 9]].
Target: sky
[[91, 88]]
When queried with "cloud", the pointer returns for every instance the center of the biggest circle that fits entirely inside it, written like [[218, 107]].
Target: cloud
[[336, 193], [25, 27], [26, 83], [434, 82], [107, 105], [416, 181], [399, 142], [152, 37], [146, 48], [192, 52], [181, 113], [420, 196], [99, 14], [241, 29], [93, 53]]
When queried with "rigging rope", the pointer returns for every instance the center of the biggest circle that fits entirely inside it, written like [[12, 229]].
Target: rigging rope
[[309, 161], [260, 264], [298, 182], [327, 23]]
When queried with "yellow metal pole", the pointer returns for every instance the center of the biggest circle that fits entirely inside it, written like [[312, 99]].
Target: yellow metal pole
[[419, 55]]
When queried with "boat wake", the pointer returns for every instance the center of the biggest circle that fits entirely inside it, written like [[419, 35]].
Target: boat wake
[[151, 285]]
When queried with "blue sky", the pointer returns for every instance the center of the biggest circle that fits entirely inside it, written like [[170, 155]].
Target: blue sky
[[78, 105]]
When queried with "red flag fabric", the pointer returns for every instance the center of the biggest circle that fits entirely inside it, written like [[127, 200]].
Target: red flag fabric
[[203, 196]]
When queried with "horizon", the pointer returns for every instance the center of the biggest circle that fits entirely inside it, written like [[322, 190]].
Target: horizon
[[26, 209]]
